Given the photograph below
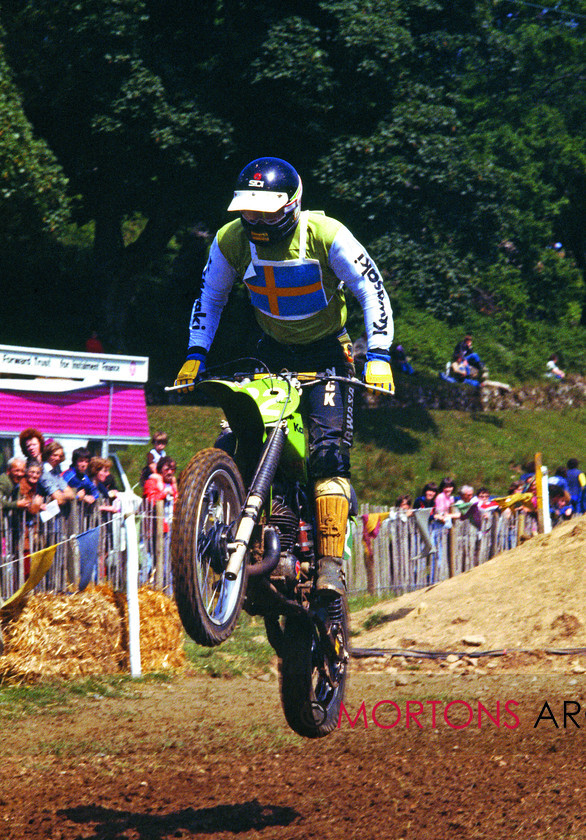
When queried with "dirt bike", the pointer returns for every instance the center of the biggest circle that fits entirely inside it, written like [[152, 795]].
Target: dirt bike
[[243, 537]]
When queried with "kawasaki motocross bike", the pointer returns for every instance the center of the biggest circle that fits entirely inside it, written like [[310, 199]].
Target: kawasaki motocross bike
[[243, 537]]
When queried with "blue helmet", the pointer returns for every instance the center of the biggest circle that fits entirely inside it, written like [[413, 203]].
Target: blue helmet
[[268, 197]]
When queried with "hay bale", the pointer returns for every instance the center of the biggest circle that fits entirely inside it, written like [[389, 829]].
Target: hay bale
[[86, 634], [161, 631]]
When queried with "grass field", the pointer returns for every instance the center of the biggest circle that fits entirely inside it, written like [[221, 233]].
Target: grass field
[[398, 450]]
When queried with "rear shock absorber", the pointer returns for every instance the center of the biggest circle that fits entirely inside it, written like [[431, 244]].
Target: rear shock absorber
[[335, 610]]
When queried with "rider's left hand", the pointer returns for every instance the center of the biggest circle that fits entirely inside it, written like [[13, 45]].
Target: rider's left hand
[[377, 371]]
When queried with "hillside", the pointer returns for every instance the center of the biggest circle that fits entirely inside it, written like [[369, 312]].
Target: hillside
[[397, 450]]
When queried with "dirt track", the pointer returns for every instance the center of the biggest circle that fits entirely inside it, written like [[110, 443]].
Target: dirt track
[[200, 758], [213, 758]]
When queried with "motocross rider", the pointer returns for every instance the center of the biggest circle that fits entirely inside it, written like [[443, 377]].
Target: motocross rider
[[295, 265]]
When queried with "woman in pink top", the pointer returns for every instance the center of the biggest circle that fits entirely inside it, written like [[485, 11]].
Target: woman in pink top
[[444, 501]]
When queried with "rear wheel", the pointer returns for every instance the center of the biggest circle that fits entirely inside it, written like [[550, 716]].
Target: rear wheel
[[211, 495], [314, 672]]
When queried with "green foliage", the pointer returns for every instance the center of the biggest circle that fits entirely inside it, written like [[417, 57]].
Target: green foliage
[[448, 135], [32, 185], [398, 450]]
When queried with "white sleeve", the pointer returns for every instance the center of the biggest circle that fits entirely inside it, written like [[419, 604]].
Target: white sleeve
[[218, 279], [351, 263]]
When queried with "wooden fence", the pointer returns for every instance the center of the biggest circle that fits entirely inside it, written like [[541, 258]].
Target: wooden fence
[[90, 545], [404, 556]]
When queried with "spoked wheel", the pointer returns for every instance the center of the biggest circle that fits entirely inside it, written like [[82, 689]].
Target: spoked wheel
[[211, 495], [314, 672]]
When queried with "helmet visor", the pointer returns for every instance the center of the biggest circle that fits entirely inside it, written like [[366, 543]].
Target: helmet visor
[[262, 201]]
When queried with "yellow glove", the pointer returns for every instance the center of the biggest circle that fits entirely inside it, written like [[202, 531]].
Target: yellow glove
[[377, 372], [192, 369]]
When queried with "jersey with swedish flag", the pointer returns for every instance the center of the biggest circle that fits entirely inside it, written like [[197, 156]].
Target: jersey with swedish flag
[[295, 286]]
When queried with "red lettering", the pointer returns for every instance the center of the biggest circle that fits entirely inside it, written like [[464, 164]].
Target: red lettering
[[413, 715], [512, 714], [386, 703], [361, 711], [458, 703], [482, 709], [433, 704]]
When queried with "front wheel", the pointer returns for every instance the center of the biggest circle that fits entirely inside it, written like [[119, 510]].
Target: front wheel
[[313, 672], [211, 495]]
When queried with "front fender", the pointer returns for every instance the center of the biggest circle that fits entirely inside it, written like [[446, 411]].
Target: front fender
[[249, 407]]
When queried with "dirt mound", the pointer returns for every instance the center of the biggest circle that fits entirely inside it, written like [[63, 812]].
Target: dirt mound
[[532, 597]]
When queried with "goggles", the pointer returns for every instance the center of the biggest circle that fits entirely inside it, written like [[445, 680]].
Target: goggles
[[253, 217]]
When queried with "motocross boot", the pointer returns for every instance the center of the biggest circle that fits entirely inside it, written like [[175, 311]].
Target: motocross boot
[[332, 497]]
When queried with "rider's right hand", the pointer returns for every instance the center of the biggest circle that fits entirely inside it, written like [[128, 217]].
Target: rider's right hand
[[193, 367]]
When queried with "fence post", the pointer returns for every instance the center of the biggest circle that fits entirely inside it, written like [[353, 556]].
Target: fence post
[[160, 544], [452, 541], [132, 588]]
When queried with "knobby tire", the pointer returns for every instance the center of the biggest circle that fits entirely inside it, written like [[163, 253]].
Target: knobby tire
[[311, 703], [211, 495]]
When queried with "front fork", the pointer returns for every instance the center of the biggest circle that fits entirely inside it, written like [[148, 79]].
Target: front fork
[[256, 499]]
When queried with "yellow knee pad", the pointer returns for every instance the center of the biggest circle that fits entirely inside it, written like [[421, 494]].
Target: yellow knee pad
[[332, 501]]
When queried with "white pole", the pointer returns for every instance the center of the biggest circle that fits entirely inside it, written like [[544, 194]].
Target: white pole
[[545, 499], [132, 589]]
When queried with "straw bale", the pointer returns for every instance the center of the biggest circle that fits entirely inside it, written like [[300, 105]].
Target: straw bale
[[161, 631], [63, 636], [86, 633]]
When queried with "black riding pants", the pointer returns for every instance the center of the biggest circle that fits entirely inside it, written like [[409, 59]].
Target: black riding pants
[[328, 408]]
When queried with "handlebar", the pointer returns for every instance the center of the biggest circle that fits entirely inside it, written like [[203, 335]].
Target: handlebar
[[302, 380]]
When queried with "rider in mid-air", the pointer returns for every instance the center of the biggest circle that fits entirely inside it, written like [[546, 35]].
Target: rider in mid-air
[[294, 265]]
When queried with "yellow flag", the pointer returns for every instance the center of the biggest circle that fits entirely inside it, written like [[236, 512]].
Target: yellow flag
[[40, 563], [515, 499]]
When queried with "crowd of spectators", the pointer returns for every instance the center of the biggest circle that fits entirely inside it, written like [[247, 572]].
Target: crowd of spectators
[[566, 493], [38, 495], [464, 367]]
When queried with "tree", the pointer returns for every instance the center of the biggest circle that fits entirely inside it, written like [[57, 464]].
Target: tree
[[435, 129], [32, 184]]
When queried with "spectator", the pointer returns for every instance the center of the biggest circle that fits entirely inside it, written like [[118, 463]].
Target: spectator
[[93, 344], [443, 509], [485, 504], [161, 486], [560, 508], [404, 504], [9, 483], [558, 481], [76, 475], [400, 359], [52, 479], [159, 441], [576, 485], [464, 348], [31, 493], [427, 497], [29, 489], [466, 505], [515, 487], [462, 371], [98, 471], [553, 371], [32, 444], [466, 495]]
